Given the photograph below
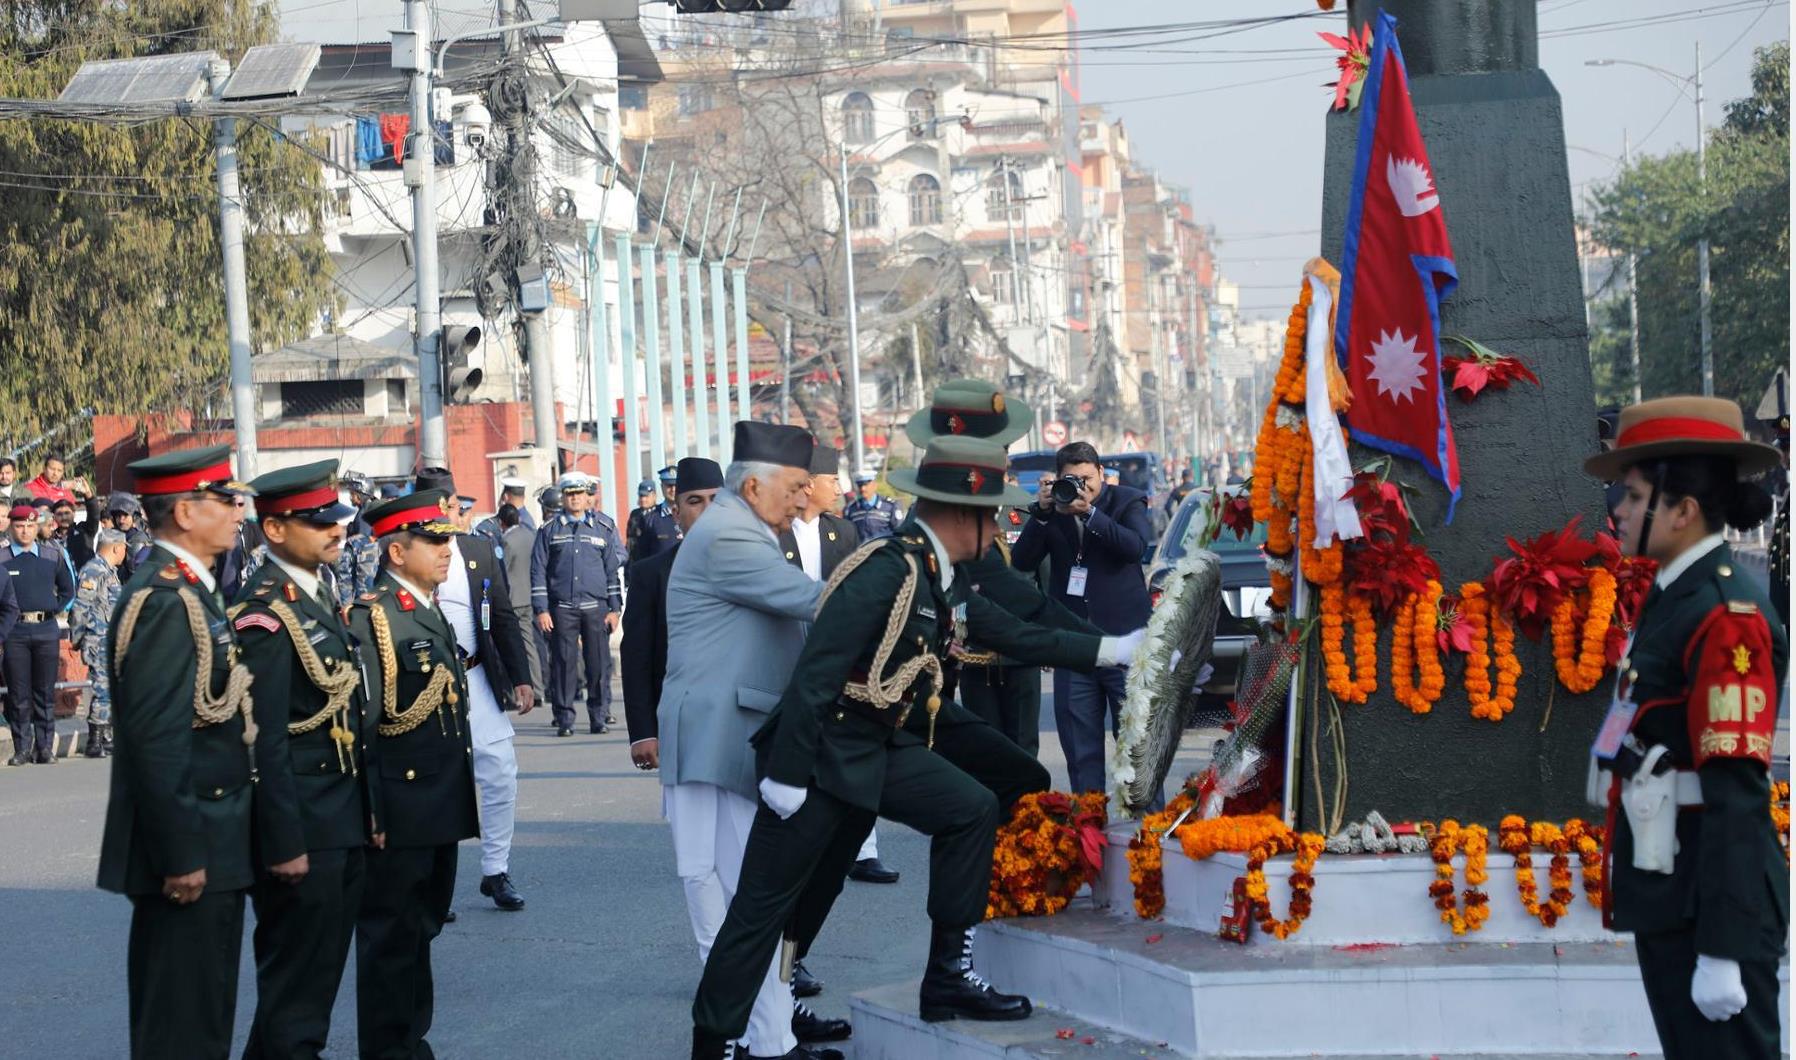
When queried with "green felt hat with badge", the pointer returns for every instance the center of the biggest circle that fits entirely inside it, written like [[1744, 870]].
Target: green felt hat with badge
[[958, 470], [970, 408]]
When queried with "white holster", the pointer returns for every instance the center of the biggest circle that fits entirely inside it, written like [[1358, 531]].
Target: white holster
[[1651, 803]]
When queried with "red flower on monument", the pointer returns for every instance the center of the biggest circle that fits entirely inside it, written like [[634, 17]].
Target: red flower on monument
[[1355, 58], [1530, 584], [1484, 368]]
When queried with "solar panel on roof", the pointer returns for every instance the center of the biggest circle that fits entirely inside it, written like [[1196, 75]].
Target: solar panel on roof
[[269, 70], [155, 79]]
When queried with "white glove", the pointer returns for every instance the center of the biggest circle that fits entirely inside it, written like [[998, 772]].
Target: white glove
[[784, 799], [1117, 651], [1204, 674], [1716, 988]]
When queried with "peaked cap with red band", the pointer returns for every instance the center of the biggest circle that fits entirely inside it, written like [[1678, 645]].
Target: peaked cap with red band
[[957, 470], [307, 492], [1683, 426], [417, 513], [206, 469]]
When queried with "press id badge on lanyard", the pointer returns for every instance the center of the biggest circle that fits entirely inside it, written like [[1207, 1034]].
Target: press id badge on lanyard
[[1075, 582], [1620, 718]]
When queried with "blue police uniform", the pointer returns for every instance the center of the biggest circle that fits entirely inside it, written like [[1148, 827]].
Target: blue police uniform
[[657, 532], [574, 576], [875, 518], [41, 580]]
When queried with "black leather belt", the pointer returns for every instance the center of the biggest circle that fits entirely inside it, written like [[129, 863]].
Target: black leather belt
[[34, 616]]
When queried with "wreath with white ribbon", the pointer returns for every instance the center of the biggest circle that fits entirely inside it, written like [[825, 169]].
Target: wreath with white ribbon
[[1159, 693]]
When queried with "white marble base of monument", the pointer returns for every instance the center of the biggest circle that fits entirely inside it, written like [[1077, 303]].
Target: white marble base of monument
[[1375, 898]]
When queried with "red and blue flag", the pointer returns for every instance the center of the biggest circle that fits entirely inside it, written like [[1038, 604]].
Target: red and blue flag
[[1397, 266]]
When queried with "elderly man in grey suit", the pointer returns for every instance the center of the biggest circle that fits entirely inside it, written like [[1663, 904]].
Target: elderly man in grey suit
[[737, 613]]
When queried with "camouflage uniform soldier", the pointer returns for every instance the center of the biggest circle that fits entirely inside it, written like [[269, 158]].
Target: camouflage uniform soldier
[[96, 596], [360, 560]]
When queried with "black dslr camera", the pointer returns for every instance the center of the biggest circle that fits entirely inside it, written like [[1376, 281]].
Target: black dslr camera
[[1066, 489]]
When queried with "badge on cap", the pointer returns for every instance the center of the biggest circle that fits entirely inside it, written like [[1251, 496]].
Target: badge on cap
[[998, 403]]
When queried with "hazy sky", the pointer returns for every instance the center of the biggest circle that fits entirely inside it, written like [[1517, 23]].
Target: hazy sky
[[1251, 156]]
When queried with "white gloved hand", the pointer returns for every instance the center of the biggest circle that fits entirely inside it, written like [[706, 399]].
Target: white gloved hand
[[1118, 651], [783, 799], [1204, 674], [1716, 988]]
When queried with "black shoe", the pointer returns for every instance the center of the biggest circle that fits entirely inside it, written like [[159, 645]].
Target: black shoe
[[500, 890], [872, 870], [708, 1046], [95, 742], [952, 990], [600, 729], [802, 1052], [804, 984], [564, 730], [449, 917], [807, 1026], [19, 758], [46, 754]]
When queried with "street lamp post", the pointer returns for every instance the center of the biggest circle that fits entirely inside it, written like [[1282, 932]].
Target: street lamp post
[[1702, 180]]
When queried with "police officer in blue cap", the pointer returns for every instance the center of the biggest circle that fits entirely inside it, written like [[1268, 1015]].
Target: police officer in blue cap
[[659, 530], [872, 515], [577, 594]]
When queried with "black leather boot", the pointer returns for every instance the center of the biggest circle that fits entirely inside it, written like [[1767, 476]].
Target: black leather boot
[[708, 1046], [804, 984], [106, 740], [807, 1026], [952, 990], [96, 743]]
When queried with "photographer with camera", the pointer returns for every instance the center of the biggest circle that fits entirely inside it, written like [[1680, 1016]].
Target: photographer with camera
[[1093, 536]]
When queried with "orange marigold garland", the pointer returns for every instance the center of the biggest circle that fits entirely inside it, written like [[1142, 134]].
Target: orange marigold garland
[[1365, 647], [1417, 679], [1487, 702], [1308, 847], [1051, 846], [1580, 662], [1146, 856], [1350, 683], [1474, 841], [1587, 840], [1780, 814]]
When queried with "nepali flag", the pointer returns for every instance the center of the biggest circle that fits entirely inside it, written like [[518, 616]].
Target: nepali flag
[[1397, 267]]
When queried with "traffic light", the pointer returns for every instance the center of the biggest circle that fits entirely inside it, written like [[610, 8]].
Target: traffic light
[[459, 380], [735, 7]]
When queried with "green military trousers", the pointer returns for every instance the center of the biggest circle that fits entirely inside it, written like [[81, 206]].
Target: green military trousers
[[922, 790], [1667, 962], [405, 901], [302, 943], [1008, 698], [181, 974]]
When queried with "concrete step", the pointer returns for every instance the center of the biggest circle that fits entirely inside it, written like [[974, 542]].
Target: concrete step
[[887, 1027], [1159, 983]]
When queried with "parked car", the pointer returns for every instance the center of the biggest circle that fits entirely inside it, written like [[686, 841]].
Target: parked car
[[1246, 590], [1145, 472], [1031, 467]]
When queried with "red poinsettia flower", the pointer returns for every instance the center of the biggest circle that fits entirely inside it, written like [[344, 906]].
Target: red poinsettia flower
[[1353, 62], [1237, 514], [1388, 571], [1484, 368], [1530, 584], [1452, 631], [1379, 502], [1056, 803], [1089, 827]]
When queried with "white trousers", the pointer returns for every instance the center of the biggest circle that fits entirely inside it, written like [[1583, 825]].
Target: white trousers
[[870, 848], [710, 833], [495, 773]]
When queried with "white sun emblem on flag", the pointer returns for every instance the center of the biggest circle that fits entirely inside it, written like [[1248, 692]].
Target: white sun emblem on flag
[[1411, 186], [1396, 365]]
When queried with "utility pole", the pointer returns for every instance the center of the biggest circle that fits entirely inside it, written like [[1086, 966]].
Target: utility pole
[[236, 283], [420, 175], [521, 220], [786, 362], [1702, 245], [854, 335], [1627, 160]]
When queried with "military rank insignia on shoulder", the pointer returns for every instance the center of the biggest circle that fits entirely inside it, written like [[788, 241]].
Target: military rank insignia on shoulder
[[169, 573], [262, 620]]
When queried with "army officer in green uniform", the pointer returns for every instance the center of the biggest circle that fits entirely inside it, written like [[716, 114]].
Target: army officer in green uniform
[[313, 809], [835, 752], [424, 786], [1695, 870], [177, 838]]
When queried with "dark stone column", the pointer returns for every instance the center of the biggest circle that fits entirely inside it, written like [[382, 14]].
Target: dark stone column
[[1496, 139]]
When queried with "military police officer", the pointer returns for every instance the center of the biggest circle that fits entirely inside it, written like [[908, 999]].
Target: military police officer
[[424, 791], [577, 594], [45, 585], [658, 530], [313, 816], [177, 836], [873, 516], [97, 588]]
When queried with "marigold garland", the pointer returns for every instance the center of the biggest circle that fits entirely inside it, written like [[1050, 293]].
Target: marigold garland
[[1587, 840], [1780, 814], [1356, 683], [1040, 858], [1487, 703], [1146, 856], [1518, 838], [1580, 664], [1417, 679], [1308, 847], [1474, 841]]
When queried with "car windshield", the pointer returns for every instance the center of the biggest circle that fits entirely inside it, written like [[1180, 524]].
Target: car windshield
[[1032, 462], [1188, 527]]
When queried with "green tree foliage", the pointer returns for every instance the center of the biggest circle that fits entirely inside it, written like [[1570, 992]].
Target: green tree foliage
[[111, 279], [1660, 209]]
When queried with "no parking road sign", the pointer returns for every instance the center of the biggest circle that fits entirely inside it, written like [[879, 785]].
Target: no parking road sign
[[1053, 433]]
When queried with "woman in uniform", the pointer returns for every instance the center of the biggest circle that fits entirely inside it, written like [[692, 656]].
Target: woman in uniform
[[1695, 867]]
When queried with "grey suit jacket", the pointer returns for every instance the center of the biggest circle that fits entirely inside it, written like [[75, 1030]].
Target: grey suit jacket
[[737, 614]]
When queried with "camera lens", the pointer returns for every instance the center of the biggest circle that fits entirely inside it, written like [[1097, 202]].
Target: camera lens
[[1064, 490]]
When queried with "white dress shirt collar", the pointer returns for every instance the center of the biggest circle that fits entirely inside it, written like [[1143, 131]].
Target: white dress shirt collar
[[306, 580], [423, 597], [1670, 572]]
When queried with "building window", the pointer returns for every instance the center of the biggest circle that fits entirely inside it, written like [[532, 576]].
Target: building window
[[925, 200], [863, 204], [695, 99], [1004, 195], [633, 97], [1003, 282], [857, 118], [332, 397], [919, 114]]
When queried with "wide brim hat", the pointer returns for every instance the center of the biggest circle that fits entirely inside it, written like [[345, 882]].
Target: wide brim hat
[[970, 408], [1685, 425], [965, 471]]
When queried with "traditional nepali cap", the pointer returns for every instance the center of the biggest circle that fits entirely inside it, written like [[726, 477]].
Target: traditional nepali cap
[[576, 482], [825, 460], [206, 469], [418, 513], [668, 475], [434, 478], [971, 407], [966, 471], [1683, 426], [22, 510], [697, 473], [772, 443], [307, 493]]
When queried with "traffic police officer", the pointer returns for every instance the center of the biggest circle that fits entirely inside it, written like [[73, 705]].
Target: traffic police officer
[[659, 530], [97, 588], [177, 836], [873, 516], [359, 560], [424, 791], [45, 585], [313, 813], [576, 593], [1694, 867], [835, 751]]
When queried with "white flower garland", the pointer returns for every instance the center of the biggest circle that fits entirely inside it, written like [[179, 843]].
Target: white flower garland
[[1146, 690]]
